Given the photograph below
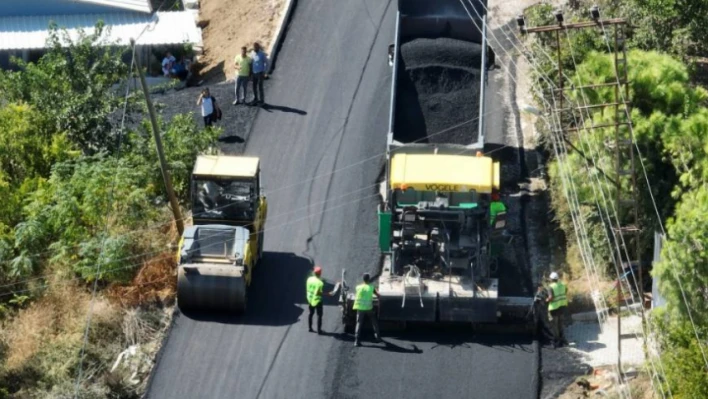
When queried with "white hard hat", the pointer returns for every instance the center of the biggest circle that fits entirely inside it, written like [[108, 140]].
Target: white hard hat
[[554, 276]]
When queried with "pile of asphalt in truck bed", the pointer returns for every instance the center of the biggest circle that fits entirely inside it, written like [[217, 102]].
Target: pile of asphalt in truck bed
[[438, 88]]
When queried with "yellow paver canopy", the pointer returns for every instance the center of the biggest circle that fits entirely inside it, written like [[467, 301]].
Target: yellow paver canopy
[[227, 166], [453, 173]]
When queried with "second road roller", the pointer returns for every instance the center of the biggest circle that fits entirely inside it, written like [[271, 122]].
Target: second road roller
[[218, 253]]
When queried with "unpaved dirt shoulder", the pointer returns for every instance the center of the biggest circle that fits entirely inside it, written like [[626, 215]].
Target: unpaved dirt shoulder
[[230, 24]]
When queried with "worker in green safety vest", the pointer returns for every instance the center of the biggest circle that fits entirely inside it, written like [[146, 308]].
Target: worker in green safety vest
[[364, 306], [495, 207], [314, 298], [557, 305]]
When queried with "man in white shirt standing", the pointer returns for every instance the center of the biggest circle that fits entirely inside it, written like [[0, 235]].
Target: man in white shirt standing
[[209, 107]]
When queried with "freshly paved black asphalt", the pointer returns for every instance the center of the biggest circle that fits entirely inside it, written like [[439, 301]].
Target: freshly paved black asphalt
[[330, 102]]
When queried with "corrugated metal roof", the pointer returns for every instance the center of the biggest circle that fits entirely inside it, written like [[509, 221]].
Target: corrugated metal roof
[[18, 8], [135, 5], [172, 27]]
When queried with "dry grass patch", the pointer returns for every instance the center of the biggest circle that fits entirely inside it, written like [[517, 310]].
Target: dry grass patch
[[155, 283], [640, 387], [59, 312]]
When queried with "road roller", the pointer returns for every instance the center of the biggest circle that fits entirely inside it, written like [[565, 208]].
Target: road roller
[[218, 253]]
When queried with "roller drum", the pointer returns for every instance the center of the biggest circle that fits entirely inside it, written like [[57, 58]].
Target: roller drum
[[211, 287]]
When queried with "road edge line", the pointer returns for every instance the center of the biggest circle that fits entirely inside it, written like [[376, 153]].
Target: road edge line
[[160, 352], [277, 39]]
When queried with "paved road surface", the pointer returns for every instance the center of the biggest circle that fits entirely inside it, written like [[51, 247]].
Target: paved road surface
[[330, 97]]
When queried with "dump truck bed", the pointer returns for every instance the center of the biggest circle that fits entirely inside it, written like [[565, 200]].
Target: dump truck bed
[[438, 73]]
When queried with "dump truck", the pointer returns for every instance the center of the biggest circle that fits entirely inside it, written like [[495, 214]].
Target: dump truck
[[218, 253], [438, 241]]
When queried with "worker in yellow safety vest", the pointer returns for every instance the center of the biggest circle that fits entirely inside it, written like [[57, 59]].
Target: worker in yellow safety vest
[[364, 306], [314, 298], [557, 305]]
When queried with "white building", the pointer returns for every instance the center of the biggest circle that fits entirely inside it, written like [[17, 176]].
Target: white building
[[24, 24]]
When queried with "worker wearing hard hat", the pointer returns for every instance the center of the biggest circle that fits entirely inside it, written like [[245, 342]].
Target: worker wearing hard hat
[[364, 306], [557, 305], [314, 298]]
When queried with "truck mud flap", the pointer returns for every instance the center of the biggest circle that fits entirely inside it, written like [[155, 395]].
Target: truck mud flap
[[390, 309], [473, 310]]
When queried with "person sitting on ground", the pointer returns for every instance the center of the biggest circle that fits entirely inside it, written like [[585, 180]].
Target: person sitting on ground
[[168, 64], [180, 70]]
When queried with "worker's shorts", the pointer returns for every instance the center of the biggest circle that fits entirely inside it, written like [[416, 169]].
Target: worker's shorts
[[317, 308]]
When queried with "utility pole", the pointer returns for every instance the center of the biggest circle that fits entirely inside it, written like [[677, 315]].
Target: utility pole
[[158, 144], [623, 147]]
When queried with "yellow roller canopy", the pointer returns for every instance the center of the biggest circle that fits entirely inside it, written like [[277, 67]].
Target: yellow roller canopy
[[226, 166], [453, 173]]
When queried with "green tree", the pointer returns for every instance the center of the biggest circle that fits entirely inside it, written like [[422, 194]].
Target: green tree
[[75, 88], [68, 214], [27, 151], [678, 27], [684, 366], [668, 121], [685, 256], [183, 140]]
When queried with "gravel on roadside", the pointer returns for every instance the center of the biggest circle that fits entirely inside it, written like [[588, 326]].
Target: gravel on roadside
[[236, 121]]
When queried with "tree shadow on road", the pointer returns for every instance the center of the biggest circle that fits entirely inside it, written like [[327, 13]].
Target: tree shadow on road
[[276, 291]]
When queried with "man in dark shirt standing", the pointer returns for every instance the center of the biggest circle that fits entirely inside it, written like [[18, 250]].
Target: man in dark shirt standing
[[540, 314]]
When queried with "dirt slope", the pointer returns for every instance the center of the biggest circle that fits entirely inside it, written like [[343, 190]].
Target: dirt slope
[[230, 24]]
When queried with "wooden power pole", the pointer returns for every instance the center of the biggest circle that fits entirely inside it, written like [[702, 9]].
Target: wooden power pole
[[158, 144], [627, 199]]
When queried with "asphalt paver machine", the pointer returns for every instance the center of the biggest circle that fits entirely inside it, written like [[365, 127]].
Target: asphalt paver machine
[[435, 235]]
